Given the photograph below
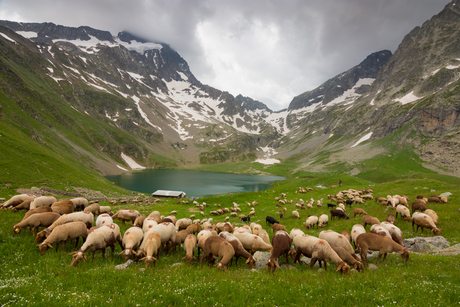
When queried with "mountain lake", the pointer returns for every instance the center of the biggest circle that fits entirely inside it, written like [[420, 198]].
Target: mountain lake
[[193, 183]]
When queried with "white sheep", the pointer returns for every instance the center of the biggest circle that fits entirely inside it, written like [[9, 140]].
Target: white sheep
[[64, 233], [152, 248], [380, 230], [99, 239], [311, 221], [167, 232], [403, 211], [79, 203], [148, 223], [423, 220], [264, 235], [338, 239], [295, 232], [126, 215], [42, 201], [183, 223], [296, 214], [131, 240], [16, 200], [395, 232], [103, 219], [105, 209], [202, 236], [432, 214], [356, 230], [252, 243], [85, 217], [189, 247], [323, 220]]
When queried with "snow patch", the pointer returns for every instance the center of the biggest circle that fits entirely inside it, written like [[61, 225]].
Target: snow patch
[[364, 138], [408, 98], [133, 164], [121, 167], [8, 38]]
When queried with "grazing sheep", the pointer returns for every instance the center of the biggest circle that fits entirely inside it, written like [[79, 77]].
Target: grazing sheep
[[346, 234], [139, 221], [434, 199], [418, 205], [271, 220], [369, 220], [252, 243], [433, 215], [296, 214], [126, 215], [189, 247], [131, 240], [104, 219], [255, 228], [64, 233], [105, 209], [345, 256], [338, 239], [423, 220], [42, 201], [358, 211], [86, 217], [395, 232], [79, 203], [380, 230], [339, 213], [25, 205], [203, 236], [64, 206], [311, 221], [34, 221], [384, 245], [183, 223], [323, 220], [404, 212], [93, 208], [148, 223], [281, 243], [217, 246], [99, 239], [391, 218], [264, 235], [239, 249], [276, 227], [194, 228], [36, 210], [152, 248], [17, 200], [179, 239]]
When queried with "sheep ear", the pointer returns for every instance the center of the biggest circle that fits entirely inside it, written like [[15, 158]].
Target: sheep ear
[[72, 253], [142, 258], [49, 245], [277, 265], [121, 252], [341, 265], [84, 256], [134, 252]]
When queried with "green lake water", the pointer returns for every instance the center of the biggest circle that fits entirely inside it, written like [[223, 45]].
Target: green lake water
[[193, 183]]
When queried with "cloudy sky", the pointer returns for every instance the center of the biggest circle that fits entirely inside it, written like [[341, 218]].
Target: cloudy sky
[[269, 50]]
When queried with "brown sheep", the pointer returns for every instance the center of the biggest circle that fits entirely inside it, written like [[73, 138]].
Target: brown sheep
[[37, 220], [194, 228], [434, 199], [385, 245], [25, 205], [358, 211], [189, 247], [64, 206], [180, 238], [423, 220], [217, 246], [37, 210], [391, 218], [276, 227], [369, 220], [139, 221], [239, 249], [418, 205], [281, 243], [345, 256]]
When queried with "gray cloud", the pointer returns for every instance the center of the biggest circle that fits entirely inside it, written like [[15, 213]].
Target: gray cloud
[[269, 50]]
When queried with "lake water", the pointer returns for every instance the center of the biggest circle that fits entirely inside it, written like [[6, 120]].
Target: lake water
[[193, 183]]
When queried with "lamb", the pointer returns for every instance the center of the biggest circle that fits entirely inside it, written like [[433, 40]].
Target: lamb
[[338, 239], [17, 200], [395, 232], [358, 211], [86, 217], [276, 227], [152, 248], [433, 215], [271, 220], [423, 220], [131, 240], [404, 212], [217, 246], [104, 219], [418, 205], [323, 220], [25, 205], [385, 245], [42, 201], [311, 221], [296, 214], [139, 221], [345, 256], [356, 230], [64, 233], [339, 213], [203, 236], [179, 239], [99, 239], [64, 206], [183, 223], [36, 210], [79, 203], [93, 208], [239, 249], [252, 243], [281, 243], [105, 209], [126, 215], [37, 220], [369, 220]]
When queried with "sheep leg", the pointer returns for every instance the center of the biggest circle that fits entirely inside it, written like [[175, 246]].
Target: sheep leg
[[76, 241], [378, 258], [103, 253], [112, 247], [363, 254]]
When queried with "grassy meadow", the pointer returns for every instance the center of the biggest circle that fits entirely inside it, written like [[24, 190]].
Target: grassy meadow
[[26, 278]]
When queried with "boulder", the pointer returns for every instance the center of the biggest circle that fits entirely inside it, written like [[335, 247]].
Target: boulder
[[261, 258], [428, 244], [447, 194]]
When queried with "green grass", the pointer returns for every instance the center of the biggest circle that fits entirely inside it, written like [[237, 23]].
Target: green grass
[[29, 279]]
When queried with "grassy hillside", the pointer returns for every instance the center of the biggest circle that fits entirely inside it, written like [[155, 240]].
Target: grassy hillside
[[27, 278]]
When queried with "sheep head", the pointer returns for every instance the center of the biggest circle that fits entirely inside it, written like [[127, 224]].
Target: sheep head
[[436, 231], [251, 262], [148, 260], [344, 268], [127, 253], [358, 266], [405, 254], [77, 256], [221, 266], [189, 259], [44, 247], [41, 236], [16, 229], [272, 265]]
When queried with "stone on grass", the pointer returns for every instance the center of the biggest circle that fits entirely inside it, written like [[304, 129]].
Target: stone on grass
[[261, 258], [124, 265], [426, 244]]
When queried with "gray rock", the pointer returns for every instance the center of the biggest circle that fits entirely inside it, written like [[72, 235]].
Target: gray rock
[[124, 265], [446, 194], [307, 261], [372, 266], [428, 244], [261, 258]]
